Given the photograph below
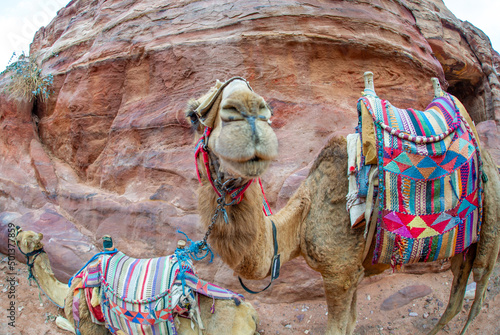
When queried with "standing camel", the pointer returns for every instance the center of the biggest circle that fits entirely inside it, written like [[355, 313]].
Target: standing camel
[[225, 318], [236, 145]]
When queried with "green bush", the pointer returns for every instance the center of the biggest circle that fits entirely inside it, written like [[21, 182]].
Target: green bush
[[26, 79]]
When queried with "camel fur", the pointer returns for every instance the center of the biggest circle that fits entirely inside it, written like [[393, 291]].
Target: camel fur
[[314, 223], [228, 318]]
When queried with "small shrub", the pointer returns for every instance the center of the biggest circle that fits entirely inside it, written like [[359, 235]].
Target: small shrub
[[26, 78]]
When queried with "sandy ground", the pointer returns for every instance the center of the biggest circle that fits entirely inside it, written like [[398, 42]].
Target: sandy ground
[[35, 314]]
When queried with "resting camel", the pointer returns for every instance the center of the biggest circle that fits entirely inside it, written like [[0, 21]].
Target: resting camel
[[314, 223], [227, 318]]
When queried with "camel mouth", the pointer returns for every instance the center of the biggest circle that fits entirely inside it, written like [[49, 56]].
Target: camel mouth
[[252, 168]]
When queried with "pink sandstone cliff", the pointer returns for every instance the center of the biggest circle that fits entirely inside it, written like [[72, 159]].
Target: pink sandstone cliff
[[111, 153]]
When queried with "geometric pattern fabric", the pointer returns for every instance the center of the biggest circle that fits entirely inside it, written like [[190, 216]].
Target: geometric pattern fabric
[[141, 296], [430, 182]]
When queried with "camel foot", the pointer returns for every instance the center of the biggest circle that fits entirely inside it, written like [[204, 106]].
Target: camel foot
[[65, 324]]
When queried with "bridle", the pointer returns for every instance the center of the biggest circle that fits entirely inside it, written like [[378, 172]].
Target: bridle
[[34, 254], [219, 187], [228, 187], [222, 188]]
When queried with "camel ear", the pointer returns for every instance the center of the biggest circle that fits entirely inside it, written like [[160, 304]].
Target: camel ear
[[40, 236]]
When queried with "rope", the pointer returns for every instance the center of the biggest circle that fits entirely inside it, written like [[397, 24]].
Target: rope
[[34, 254], [191, 252], [221, 189], [106, 252]]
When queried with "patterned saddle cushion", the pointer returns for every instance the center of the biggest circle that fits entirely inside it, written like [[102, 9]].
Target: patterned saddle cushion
[[142, 296], [138, 295], [429, 181]]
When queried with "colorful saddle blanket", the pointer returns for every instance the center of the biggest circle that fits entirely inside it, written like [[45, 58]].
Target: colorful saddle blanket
[[429, 180], [142, 296]]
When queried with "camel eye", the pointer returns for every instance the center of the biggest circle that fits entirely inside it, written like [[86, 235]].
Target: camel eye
[[230, 109], [230, 113], [264, 113]]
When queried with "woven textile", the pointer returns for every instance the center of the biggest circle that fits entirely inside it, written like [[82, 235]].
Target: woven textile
[[91, 275], [142, 296], [429, 181], [137, 294]]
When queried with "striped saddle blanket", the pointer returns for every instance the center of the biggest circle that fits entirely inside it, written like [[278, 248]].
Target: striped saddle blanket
[[429, 177], [142, 296]]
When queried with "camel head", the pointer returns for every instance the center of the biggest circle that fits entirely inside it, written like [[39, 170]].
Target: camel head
[[241, 143], [29, 241]]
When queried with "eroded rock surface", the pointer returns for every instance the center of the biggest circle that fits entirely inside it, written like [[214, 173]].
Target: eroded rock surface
[[110, 152]]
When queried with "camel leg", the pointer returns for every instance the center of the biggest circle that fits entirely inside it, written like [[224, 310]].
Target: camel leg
[[228, 318], [461, 269], [351, 324], [86, 324], [489, 243], [341, 292], [478, 301]]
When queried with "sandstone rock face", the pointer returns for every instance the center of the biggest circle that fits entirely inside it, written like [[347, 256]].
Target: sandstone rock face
[[113, 154]]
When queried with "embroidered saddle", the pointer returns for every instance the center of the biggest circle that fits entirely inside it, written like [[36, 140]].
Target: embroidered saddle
[[429, 177], [142, 296]]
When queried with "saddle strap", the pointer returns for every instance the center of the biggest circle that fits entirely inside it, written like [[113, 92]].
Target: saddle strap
[[372, 182], [372, 224]]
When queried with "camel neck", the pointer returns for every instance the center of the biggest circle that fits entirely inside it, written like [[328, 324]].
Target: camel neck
[[48, 283], [245, 242]]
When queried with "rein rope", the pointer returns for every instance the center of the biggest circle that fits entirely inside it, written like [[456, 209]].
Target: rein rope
[[222, 189]]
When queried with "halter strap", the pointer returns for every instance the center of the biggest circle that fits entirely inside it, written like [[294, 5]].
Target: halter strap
[[33, 254], [202, 148], [31, 264], [237, 193], [206, 105]]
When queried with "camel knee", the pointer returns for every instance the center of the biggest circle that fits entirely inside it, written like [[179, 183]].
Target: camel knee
[[65, 324]]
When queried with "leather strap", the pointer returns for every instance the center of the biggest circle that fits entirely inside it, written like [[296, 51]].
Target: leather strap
[[275, 265], [373, 211], [202, 110], [371, 231]]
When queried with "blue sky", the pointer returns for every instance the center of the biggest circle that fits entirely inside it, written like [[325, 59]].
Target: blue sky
[[20, 19], [484, 14]]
